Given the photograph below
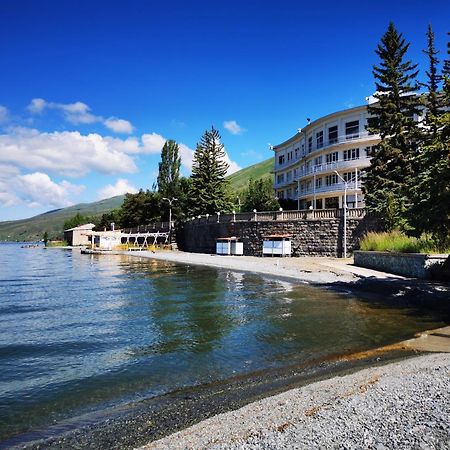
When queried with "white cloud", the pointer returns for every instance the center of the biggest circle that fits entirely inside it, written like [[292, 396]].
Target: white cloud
[[122, 186], [37, 106], [118, 125], [4, 113], [8, 175], [153, 143], [187, 156], [233, 127], [79, 113], [232, 166], [37, 189], [67, 153]]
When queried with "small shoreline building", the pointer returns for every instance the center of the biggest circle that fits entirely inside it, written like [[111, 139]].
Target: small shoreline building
[[311, 166], [77, 236]]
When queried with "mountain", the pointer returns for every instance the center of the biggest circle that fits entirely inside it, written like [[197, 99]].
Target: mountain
[[52, 222], [239, 180]]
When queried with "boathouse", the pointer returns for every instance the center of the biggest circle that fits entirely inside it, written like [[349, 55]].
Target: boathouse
[[77, 236]]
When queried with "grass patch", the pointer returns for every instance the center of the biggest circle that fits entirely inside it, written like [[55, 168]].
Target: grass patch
[[395, 241]]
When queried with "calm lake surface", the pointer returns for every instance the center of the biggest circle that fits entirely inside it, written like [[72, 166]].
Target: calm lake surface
[[80, 333]]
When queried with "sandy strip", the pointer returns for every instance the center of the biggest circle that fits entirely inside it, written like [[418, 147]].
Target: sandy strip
[[318, 270], [399, 405]]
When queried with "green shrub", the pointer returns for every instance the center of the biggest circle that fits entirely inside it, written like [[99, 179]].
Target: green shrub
[[396, 241]]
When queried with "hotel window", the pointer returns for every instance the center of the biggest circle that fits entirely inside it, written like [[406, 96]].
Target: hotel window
[[319, 139], [308, 165], [331, 179], [351, 154], [332, 135], [289, 176], [288, 193], [332, 157], [349, 176], [297, 151], [318, 161], [280, 178], [295, 174], [310, 144], [332, 202], [302, 187], [318, 182], [352, 130], [308, 185], [281, 160], [303, 150]]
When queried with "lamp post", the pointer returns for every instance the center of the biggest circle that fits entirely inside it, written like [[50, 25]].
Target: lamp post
[[170, 200], [345, 212], [239, 203]]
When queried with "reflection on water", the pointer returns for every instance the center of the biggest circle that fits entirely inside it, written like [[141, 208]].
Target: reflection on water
[[79, 332]]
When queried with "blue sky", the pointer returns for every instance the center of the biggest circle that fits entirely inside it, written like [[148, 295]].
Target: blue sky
[[90, 89]]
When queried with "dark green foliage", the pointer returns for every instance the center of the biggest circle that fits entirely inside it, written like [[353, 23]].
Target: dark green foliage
[[169, 170], [260, 196], [430, 210], [45, 238], [105, 221], [208, 184], [76, 221], [393, 119], [140, 209]]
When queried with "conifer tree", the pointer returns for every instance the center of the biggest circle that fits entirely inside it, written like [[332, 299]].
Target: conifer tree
[[430, 211], [169, 170], [208, 184], [392, 117]]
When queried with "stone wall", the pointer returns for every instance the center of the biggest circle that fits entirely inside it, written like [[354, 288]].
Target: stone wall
[[415, 265], [310, 237]]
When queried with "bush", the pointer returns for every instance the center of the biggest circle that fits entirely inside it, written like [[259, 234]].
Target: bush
[[396, 241]]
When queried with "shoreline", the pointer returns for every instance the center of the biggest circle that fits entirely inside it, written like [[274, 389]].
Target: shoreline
[[131, 425]]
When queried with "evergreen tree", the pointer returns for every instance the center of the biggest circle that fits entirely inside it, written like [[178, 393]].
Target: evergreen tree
[[392, 117], [260, 196], [208, 184], [433, 101], [169, 170], [430, 211]]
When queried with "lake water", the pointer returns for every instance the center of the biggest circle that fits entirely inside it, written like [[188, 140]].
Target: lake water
[[79, 333]]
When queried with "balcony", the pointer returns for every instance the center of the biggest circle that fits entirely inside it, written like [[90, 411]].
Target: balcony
[[337, 187], [331, 167], [353, 138]]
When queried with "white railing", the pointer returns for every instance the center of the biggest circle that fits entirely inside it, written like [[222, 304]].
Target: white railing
[[351, 186], [329, 167], [269, 216], [330, 143]]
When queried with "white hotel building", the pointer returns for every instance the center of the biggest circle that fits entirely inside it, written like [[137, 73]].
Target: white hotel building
[[310, 166]]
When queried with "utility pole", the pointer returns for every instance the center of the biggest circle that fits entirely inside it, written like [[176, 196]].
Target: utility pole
[[345, 212], [170, 200]]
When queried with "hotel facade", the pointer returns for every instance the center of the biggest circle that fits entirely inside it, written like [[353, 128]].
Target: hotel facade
[[315, 165]]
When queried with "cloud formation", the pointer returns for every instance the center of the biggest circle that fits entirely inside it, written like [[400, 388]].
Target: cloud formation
[[79, 113], [4, 114], [119, 125], [122, 186], [233, 127], [67, 153], [37, 189]]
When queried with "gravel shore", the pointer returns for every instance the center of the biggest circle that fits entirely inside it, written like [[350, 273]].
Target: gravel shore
[[402, 405]]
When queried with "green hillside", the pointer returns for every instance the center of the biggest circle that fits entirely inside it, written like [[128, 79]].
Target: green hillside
[[52, 221], [239, 180]]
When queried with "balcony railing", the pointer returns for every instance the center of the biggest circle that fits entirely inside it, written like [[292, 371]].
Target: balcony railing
[[329, 143], [328, 167], [269, 216], [336, 187]]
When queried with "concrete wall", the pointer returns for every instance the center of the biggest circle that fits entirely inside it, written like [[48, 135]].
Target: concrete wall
[[310, 237], [414, 265]]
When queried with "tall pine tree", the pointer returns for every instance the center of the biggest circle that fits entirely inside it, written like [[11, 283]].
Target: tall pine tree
[[430, 211], [169, 170], [208, 184], [392, 117]]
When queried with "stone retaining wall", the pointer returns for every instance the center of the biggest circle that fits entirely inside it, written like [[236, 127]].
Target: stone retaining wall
[[415, 265], [310, 237]]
